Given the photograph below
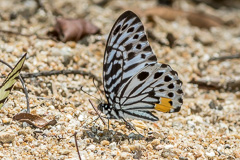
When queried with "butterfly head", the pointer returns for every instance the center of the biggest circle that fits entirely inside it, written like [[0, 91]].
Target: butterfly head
[[107, 110]]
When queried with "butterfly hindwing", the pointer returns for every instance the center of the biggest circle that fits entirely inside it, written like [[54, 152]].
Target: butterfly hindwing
[[8, 83], [127, 52], [155, 87]]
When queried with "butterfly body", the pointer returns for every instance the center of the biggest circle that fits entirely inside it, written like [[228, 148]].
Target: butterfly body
[[135, 84]]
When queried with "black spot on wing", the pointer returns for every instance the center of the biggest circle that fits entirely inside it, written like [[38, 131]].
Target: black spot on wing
[[177, 109], [180, 100], [128, 47], [135, 36], [164, 66], [130, 29], [171, 86], [167, 78], [124, 27], [148, 48], [157, 75], [179, 91], [131, 55], [152, 58], [143, 56], [170, 94], [139, 46], [141, 28], [143, 39], [116, 30], [179, 82], [143, 75], [171, 103], [173, 72]]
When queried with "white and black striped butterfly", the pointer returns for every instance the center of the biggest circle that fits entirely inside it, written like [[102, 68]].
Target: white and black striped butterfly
[[135, 84]]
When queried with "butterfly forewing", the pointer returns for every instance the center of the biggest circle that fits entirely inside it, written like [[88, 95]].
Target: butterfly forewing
[[127, 52], [8, 83]]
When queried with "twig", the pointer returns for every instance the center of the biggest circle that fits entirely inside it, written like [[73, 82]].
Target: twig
[[23, 84], [225, 57], [75, 137], [27, 35], [40, 5], [231, 85], [64, 72]]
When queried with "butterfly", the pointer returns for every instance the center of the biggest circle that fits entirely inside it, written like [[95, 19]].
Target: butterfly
[[8, 83], [135, 84]]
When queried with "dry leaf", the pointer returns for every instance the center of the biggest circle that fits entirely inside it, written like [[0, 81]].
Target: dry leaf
[[34, 120], [72, 29], [200, 20]]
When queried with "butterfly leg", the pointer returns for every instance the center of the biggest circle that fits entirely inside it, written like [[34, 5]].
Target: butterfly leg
[[129, 124]]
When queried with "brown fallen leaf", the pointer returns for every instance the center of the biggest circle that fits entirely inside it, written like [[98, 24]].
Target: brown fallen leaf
[[200, 20], [34, 120], [72, 29]]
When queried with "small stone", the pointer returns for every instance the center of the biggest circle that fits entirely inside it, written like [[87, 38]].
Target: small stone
[[168, 146], [6, 120], [7, 137], [159, 147], [29, 138], [155, 142], [105, 143], [113, 146], [71, 44], [124, 155], [125, 148], [51, 107], [91, 147], [64, 151], [210, 154]]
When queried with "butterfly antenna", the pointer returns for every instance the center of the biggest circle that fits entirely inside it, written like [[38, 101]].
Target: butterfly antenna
[[89, 94], [97, 88]]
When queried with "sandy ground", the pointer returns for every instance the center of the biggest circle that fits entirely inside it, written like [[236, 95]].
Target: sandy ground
[[200, 130]]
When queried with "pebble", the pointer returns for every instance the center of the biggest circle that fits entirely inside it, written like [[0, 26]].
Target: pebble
[[65, 151], [155, 142], [210, 154], [125, 148], [91, 147], [6, 120], [113, 146], [7, 137], [105, 143], [168, 146], [124, 155]]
